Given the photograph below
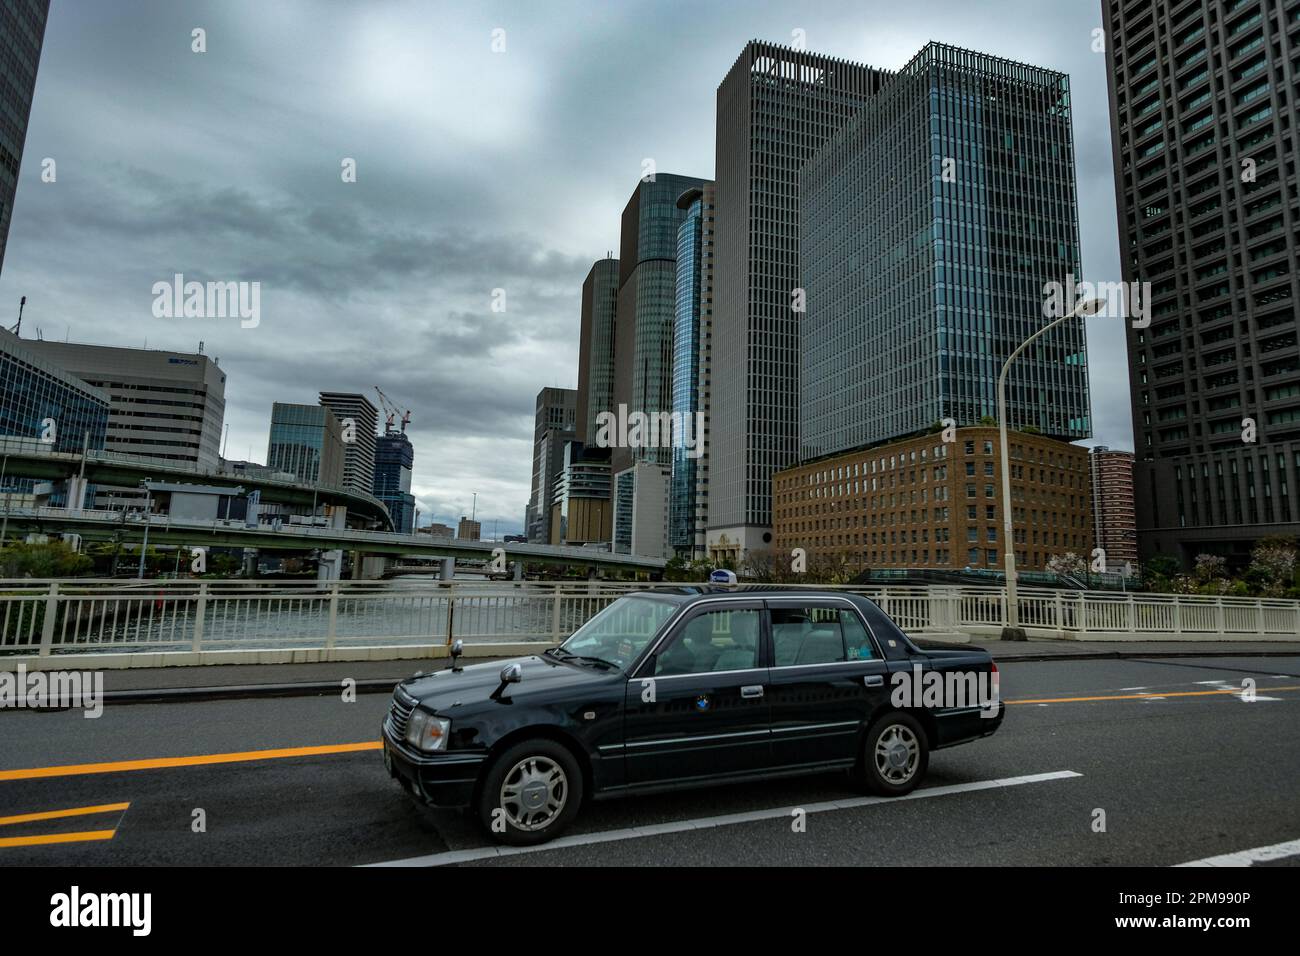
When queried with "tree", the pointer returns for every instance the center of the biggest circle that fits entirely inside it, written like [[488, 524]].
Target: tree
[[1158, 571], [1210, 574], [54, 559], [1272, 567]]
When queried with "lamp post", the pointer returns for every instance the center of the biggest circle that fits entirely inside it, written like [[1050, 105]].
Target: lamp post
[[1011, 630], [144, 546]]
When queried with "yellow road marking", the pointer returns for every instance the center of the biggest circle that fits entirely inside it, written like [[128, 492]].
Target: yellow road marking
[[58, 814], [158, 763], [1180, 693], [82, 837], [200, 760]]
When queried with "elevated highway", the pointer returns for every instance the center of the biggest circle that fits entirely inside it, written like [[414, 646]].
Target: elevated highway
[[163, 530]]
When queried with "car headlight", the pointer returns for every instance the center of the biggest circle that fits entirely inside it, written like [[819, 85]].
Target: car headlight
[[427, 732]]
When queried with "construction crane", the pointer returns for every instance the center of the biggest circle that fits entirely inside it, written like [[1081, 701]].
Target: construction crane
[[391, 411]]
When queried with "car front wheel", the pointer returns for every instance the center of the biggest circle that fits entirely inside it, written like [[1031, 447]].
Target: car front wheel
[[895, 755], [531, 793]]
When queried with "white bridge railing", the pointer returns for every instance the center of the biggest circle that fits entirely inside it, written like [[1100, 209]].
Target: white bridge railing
[[57, 617]]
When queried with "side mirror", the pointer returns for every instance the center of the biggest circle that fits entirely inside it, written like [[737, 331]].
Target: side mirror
[[457, 649], [510, 674]]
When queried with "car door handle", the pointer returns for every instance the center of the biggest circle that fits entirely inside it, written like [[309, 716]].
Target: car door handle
[[874, 680], [752, 690]]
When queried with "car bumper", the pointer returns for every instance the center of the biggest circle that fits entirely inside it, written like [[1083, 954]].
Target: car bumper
[[441, 780]]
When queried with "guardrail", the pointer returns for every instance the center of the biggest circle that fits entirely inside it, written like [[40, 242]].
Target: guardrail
[[48, 618]]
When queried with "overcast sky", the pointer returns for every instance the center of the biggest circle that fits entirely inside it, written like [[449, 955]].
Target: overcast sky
[[475, 171]]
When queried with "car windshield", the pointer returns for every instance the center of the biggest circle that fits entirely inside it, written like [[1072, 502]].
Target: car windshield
[[620, 632]]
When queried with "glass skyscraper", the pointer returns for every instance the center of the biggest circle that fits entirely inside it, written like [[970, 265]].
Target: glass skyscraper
[[394, 459], [32, 390], [596, 348], [647, 304], [930, 228], [35, 394], [688, 490], [306, 441], [22, 34]]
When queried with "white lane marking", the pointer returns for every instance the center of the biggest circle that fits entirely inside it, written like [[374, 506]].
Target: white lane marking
[[705, 823], [1260, 854], [1143, 687]]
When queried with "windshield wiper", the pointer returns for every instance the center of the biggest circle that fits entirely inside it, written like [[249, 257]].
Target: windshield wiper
[[557, 651], [592, 660]]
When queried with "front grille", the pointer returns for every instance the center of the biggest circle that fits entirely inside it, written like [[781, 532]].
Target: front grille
[[399, 715]]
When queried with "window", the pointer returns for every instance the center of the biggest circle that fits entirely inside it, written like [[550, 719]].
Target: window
[[856, 640], [713, 641], [621, 631], [807, 635]]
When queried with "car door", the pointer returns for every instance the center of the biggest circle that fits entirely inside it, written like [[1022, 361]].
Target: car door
[[697, 707], [827, 677]]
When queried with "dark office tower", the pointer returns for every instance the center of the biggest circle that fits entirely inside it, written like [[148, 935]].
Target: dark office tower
[[931, 227], [394, 459], [647, 302], [22, 32], [596, 350], [692, 375], [1204, 122], [552, 430], [359, 420], [776, 107]]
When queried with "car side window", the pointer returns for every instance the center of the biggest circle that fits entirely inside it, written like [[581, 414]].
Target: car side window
[[856, 640], [723, 640], [807, 635]]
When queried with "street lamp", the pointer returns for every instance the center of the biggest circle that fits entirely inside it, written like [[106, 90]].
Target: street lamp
[[1012, 631], [144, 546]]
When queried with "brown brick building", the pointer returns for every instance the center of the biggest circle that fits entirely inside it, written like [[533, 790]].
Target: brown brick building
[[926, 503]]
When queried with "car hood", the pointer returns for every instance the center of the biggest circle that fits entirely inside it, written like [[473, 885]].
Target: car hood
[[474, 683]]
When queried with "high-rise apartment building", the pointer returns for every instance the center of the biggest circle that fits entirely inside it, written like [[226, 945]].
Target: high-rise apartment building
[[358, 420], [596, 347], [692, 369], [22, 34], [931, 226], [306, 441], [163, 404], [775, 108], [1204, 123], [1114, 525], [553, 428]]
